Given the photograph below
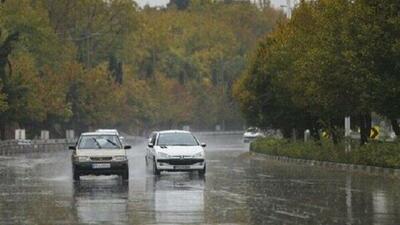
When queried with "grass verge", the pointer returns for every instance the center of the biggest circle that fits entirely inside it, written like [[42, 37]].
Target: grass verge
[[372, 154]]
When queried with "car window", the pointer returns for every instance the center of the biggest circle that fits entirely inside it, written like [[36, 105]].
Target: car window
[[177, 139], [252, 129], [99, 142]]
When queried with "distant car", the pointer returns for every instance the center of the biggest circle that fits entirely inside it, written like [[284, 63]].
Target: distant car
[[175, 150], [100, 153], [252, 133], [111, 131]]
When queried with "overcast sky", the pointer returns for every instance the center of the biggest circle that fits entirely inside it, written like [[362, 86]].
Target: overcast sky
[[276, 3]]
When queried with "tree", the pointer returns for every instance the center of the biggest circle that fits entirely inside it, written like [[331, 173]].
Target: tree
[[263, 102], [94, 96], [37, 46], [383, 21], [115, 68], [327, 62], [97, 28], [83, 64]]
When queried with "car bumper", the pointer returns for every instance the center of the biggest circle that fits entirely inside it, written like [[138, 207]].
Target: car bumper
[[100, 168], [248, 139], [180, 164]]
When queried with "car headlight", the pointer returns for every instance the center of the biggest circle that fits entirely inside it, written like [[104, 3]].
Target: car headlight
[[119, 158], [198, 155], [163, 155], [83, 158]]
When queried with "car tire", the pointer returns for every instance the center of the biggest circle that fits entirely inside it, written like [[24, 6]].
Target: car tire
[[76, 175], [155, 170], [203, 171], [125, 174]]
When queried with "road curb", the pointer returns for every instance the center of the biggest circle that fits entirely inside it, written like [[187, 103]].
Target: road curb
[[333, 165]]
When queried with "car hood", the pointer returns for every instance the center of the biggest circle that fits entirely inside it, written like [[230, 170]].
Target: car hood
[[180, 150], [100, 152]]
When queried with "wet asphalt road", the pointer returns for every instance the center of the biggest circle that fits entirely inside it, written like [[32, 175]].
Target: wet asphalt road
[[238, 189]]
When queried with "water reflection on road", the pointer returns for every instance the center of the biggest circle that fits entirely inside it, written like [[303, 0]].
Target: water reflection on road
[[178, 199], [238, 189], [101, 200]]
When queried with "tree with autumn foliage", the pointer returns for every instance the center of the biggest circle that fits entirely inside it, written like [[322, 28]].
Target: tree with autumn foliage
[[332, 59], [72, 64]]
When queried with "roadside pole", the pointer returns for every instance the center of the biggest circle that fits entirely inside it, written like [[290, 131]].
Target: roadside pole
[[307, 135], [347, 133]]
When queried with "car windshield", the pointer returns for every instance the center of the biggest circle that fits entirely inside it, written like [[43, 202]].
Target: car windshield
[[252, 129], [177, 139], [100, 142]]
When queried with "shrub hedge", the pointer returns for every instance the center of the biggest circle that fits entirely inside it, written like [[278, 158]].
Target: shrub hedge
[[382, 154]]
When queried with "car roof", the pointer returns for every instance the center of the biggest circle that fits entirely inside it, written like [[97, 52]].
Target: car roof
[[173, 131], [97, 133], [107, 131]]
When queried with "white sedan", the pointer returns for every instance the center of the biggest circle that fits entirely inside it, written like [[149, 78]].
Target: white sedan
[[252, 133], [175, 150]]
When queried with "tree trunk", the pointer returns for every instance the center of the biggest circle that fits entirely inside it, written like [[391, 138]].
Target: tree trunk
[[335, 135], [396, 127], [314, 129], [294, 134], [287, 133], [3, 131], [315, 133], [365, 127], [368, 124]]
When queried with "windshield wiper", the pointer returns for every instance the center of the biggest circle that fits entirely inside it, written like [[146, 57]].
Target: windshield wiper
[[97, 143], [113, 143]]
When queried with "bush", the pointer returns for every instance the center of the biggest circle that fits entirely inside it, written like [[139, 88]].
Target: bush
[[372, 154], [378, 154]]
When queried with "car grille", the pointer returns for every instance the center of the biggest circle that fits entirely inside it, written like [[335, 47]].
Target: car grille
[[101, 158], [181, 161]]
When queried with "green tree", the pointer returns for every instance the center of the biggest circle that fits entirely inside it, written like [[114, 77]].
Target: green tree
[[36, 46], [381, 25]]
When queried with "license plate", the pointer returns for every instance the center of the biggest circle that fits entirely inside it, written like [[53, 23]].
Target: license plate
[[181, 167], [101, 166]]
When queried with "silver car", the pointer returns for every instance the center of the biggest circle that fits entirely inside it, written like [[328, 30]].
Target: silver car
[[100, 154]]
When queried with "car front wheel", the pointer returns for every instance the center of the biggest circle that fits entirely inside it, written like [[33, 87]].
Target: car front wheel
[[155, 170], [125, 174], [203, 171], [76, 175]]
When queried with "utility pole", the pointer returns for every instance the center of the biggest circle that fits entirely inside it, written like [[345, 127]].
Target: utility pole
[[289, 7]]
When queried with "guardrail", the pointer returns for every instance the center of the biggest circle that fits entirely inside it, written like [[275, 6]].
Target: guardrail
[[10, 147]]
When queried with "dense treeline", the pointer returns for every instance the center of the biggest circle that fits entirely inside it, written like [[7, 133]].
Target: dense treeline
[[332, 59], [84, 64]]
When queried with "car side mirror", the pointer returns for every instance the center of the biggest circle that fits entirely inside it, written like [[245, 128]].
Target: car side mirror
[[72, 148], [203, 145], [127, 147], [151, 145]]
